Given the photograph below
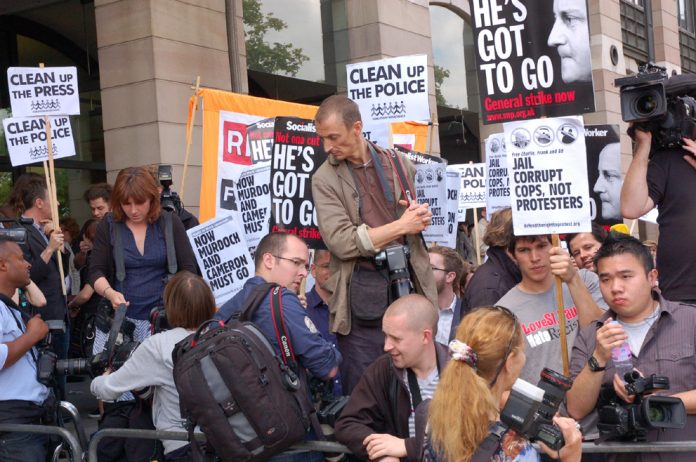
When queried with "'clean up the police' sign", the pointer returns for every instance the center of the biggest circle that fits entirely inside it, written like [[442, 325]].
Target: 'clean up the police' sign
[[26, 139]]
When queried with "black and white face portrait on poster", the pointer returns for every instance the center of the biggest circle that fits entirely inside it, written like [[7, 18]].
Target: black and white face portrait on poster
[[604, 173], [533, 58]]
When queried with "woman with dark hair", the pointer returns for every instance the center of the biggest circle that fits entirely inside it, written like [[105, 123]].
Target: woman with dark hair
[[139, 225], [487, 357], [136, 213], [188, 302]]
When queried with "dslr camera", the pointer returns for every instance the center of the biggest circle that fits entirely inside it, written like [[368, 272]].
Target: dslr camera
[[395, 260], [631, 421], [659, 105], [119, 348], [530, 409], [169, 199]]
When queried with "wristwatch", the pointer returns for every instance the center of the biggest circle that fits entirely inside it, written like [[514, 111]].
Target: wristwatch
[[594, 365]]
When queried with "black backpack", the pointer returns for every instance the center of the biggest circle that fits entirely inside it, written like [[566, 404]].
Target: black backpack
[[247, 398]]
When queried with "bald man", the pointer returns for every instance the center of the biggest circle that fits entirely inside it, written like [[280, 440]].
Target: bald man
[[378, 423]]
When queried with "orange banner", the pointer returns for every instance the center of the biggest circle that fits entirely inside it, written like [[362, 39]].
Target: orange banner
[[413, 135], [222, 109]]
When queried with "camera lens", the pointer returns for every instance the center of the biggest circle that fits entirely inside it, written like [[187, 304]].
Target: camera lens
[[646, 104], [658, 414]]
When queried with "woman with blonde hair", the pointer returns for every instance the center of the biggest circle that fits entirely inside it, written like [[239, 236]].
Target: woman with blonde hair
[[487, 357]]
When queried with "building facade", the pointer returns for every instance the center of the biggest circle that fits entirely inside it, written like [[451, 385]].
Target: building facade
[[137, 61]]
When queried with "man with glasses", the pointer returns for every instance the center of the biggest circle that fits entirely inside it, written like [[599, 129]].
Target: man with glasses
[[449, 271], [533, 300], [283, 258], [378, 423]]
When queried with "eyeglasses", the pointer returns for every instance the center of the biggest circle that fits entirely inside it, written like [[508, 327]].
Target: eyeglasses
[[440, 269], [510, 343], [295, 261]]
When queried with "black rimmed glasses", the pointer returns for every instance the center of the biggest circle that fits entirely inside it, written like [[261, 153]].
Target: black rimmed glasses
[[510, 343], [434, 268], [295, 261]]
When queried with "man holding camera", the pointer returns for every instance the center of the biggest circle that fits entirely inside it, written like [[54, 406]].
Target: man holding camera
[[23, 400], [362, 211], [666, 180], [660, 334], [379, 422]]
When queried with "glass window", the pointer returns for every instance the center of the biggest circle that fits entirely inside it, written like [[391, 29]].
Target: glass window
[[687, 15], [285, 38], [448, 35]]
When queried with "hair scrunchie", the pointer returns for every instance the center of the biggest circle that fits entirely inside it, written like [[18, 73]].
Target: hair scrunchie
[[460, 351]]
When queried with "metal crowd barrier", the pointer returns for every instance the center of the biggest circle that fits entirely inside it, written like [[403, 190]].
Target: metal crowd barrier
[[67, 436], [331, 447]]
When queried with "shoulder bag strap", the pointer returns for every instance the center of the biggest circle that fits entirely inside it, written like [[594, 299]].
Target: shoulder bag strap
[[286, 350], [414, 388], [168, 228], [118, 253], [252, 302]]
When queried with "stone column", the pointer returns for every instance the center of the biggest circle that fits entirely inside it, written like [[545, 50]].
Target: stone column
[[150, 52]]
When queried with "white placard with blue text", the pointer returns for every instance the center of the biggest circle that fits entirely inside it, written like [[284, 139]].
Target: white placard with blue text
[[548, 176], [39, 91], [222, 255], [389, 90], [26, 139], [472, 190]]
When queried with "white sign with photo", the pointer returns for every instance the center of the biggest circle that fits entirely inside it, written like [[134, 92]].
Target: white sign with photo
[[548, 176], [497, 174]]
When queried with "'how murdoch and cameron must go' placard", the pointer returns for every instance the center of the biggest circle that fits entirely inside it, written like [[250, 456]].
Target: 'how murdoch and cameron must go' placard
[[533, 58]]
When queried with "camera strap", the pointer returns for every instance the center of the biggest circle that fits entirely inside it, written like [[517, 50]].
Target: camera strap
[[489, 446], [286, 350], [10, 305], [166, 224], [119, 261], [119, 316], [414, 388]]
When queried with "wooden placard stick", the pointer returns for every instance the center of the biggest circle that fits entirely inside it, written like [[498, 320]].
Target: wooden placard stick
[[189, 136], [561, 315], [431, 129], [52, 194]]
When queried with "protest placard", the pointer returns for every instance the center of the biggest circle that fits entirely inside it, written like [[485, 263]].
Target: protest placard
[[431, 188], [245, 182], [548, 176], [453, 185], [525, 67], [38, 91], [472, 190], [604, 173], [222, 256], [389, 90], [297, 154], [498, 179], [26, 139]]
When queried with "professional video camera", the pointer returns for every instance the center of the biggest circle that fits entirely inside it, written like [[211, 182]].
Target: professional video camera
[[16, 234], [631, 422], [169, 199], [530, 409], [665, 107], [395, 260], [119, 348]]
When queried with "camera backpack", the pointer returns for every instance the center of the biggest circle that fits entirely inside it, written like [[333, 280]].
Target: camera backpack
[[246, 397]]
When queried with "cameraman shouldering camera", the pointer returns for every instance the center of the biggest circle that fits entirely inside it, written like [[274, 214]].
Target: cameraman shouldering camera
[[667, 179], [23, 400], [362, 210]]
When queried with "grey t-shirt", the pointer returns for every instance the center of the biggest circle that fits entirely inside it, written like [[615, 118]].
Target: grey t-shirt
[[539, 318]]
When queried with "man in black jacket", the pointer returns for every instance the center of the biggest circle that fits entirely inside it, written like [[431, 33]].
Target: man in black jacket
[[499, 273], [378, 423], [42, 250]]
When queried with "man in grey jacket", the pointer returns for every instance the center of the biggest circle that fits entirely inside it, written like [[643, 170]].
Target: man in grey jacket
[[361, 211]]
